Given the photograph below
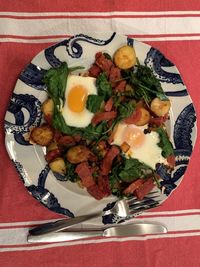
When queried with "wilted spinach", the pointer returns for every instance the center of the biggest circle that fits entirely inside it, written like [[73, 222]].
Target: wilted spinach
[[94, 103]]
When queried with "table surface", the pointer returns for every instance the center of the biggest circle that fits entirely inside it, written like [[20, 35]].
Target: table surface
[[26, 28]]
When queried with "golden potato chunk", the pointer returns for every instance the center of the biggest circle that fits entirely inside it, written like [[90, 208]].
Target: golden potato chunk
[[160, 107], [42, 135], [144, 118], [58, 165], [77, 154], [48, 107], [52, 146], [125, 57]]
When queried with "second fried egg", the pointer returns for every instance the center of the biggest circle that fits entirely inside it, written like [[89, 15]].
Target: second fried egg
[[77, 90], [143, 147]]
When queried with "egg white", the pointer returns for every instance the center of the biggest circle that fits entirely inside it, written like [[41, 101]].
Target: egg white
[[78, 119], [148, 152]]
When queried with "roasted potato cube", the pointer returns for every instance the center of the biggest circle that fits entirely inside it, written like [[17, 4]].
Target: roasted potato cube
[[160, 107], [58, 165], [48, 107], [124, 147], [145, 117], [52, 146], [42, 135], [77, 154], [125, 57]]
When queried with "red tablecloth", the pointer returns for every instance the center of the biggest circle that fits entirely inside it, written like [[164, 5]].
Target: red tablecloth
[[27, 27]]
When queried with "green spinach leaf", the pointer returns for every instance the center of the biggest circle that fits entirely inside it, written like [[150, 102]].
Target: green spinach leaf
[[94, 103], [134, 169], [56, 80], [125, 110], [60, 124], [145, 82], [93, 133], [103, 86], [164, 144], [70, 174]]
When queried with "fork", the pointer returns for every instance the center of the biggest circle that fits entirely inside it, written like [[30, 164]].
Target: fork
[[131, 207], [124, 208]]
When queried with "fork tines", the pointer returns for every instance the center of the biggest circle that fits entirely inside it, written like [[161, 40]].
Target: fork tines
[[140, 209], [148, 202]]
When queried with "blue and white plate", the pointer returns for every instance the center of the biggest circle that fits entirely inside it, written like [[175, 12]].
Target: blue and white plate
[[24, 112]]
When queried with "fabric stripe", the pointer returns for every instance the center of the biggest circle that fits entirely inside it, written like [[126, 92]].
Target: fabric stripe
[[97, 241], [145, 214], [183, 224], [100, 5], [142, 26], [25, 15], [46, 39]]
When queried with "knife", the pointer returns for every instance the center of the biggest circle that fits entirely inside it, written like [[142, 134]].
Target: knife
[[134, 229], [61, 224]]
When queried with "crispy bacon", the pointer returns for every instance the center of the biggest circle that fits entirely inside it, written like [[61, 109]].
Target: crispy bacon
[[114, 75], [109, 104], [144, 189], [136, 115], [103, 116], [48, 118], [51, 155], [94, 71], [108, 159], [66, 140], [171, 161], [120, 87], [57, 135], [101, 189], [133, 186], [104, 63], [158, 121], [77, 138], [103, 184], [84, 172], [95, 191]]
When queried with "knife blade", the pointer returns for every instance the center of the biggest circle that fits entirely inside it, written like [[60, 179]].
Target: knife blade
[[134, 229]]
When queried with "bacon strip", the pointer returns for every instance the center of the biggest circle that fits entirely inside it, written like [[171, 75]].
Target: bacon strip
[[51, 155], [159, 120], [108, 159], [144, 189], [104, 63], [66, 140], [133, 186], [109, 104], [103, 116], [84, 172], [120, 87], [135, 117], [114, 75], [94, 71], [95, 191]]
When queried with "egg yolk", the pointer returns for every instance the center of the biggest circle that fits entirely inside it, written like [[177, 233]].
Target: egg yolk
[[77, 98], [133, 136]]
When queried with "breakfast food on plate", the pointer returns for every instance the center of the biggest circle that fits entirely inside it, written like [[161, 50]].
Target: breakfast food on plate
[[74, 110], [106, 130], [125, 57]]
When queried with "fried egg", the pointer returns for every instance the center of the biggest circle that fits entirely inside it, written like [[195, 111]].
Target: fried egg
[[143, 147], [74, 110]]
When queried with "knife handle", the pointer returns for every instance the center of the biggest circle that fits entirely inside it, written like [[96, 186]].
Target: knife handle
[[63, 236], [61, 224]]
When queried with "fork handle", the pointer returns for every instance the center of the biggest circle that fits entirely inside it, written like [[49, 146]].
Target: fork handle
[[61, 224]]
